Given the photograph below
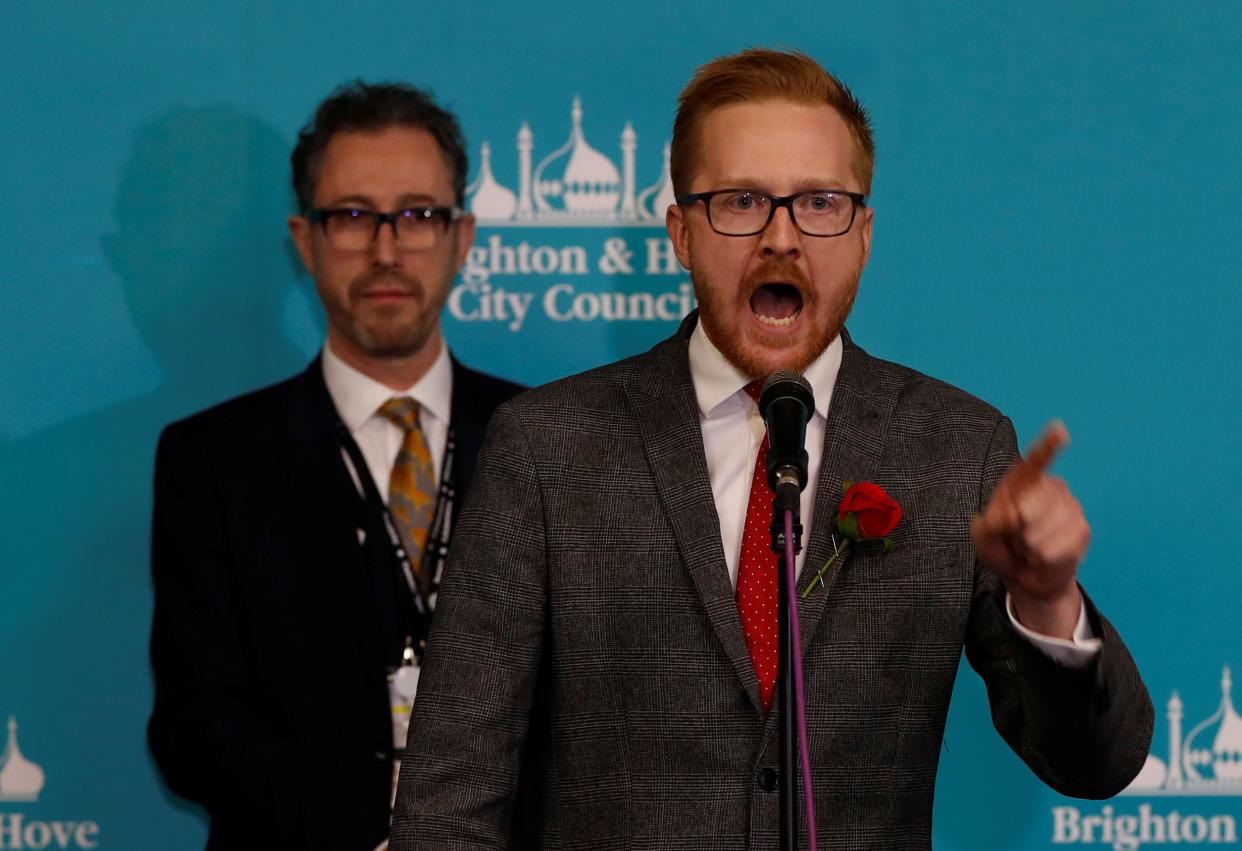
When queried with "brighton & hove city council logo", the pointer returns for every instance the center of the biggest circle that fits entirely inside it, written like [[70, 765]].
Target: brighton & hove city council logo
[[1205, 762], [21, 781], [583, 278]]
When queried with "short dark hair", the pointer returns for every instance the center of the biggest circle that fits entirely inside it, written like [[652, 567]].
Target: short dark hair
[[360, 106], [754, 76]]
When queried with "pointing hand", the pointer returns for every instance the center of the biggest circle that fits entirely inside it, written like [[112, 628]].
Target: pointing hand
[[1033, 535]]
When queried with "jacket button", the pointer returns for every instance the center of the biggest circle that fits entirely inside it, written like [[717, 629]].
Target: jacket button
[[767, 779]]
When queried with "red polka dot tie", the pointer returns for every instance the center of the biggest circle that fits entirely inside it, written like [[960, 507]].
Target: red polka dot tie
[[756, 575]]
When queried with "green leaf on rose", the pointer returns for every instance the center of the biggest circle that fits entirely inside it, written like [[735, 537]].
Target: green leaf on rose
[[849, 525]]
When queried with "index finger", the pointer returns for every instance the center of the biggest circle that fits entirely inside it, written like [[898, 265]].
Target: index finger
[[1044, 449]]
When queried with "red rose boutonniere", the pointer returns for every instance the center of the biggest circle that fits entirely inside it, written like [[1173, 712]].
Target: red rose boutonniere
[[866, 516]]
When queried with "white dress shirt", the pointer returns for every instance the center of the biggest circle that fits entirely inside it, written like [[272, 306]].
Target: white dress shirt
[[730, 421], [358, 397], [733, 432]]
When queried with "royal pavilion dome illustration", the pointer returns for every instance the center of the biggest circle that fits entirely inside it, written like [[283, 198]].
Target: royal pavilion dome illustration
[[582, 178], [575, 185], [1207, 761], [490, 200], [661, 192], [1213, 750], [20, 779]]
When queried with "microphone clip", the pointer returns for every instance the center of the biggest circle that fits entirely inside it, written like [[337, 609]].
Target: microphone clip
[[778, 525]]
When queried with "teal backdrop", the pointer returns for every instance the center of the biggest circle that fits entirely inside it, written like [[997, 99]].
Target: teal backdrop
[[1057, 230]]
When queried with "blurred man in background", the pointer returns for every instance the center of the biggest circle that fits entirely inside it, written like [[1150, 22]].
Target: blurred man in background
[[299, 530]]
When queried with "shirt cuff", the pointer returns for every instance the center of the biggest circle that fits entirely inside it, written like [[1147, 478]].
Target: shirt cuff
[[1077, 653]]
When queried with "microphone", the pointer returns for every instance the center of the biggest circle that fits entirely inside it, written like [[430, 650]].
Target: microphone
[[786, 404]]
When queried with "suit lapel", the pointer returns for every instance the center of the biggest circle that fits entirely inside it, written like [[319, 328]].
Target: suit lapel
[[468, 419], [858, 416], [667, 414], [323, 496]]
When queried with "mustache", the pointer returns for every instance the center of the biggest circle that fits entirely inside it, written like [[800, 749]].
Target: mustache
[[384, 279], [778, 270]]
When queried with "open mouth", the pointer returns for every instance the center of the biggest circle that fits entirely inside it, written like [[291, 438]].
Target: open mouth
[[776, 304]]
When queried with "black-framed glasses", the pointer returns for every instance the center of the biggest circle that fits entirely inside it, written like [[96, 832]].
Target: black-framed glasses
[[746, 212], [355, 228]]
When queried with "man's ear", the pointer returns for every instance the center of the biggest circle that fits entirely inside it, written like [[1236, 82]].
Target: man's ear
[[866, 234], [465, 238], [675, 223], [300, 233]]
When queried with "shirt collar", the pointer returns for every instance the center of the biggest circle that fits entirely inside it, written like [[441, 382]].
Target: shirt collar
[[718, 384], [357, 396]]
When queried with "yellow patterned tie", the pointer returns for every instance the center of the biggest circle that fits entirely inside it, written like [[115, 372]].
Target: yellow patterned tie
[[412, 485]]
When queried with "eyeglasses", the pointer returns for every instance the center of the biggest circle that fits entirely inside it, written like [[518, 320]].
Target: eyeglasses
[[415, 228], [746, 212]]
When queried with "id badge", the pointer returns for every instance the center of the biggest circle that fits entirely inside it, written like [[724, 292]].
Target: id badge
[[402, 687]]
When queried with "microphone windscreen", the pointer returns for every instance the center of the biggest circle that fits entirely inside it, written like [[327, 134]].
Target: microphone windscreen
[[786, 384]]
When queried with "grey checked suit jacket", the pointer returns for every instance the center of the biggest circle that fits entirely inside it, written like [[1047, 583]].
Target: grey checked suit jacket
[[587, 654]]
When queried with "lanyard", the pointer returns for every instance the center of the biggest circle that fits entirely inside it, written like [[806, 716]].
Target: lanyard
[[431, 562]]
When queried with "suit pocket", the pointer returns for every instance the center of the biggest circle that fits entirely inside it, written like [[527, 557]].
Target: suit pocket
[[905, 610], [909, 561]]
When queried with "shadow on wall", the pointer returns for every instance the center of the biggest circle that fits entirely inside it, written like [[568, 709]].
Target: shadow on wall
[[199, 243], [200, 249]]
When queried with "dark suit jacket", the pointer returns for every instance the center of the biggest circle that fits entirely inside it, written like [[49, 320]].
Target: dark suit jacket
[[268, 641], [587, 624]]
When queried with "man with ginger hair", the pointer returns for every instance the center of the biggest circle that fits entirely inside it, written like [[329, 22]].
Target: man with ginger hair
[[608, 607]]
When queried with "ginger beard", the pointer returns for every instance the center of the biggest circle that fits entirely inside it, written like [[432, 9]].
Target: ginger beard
[[777, 294]]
